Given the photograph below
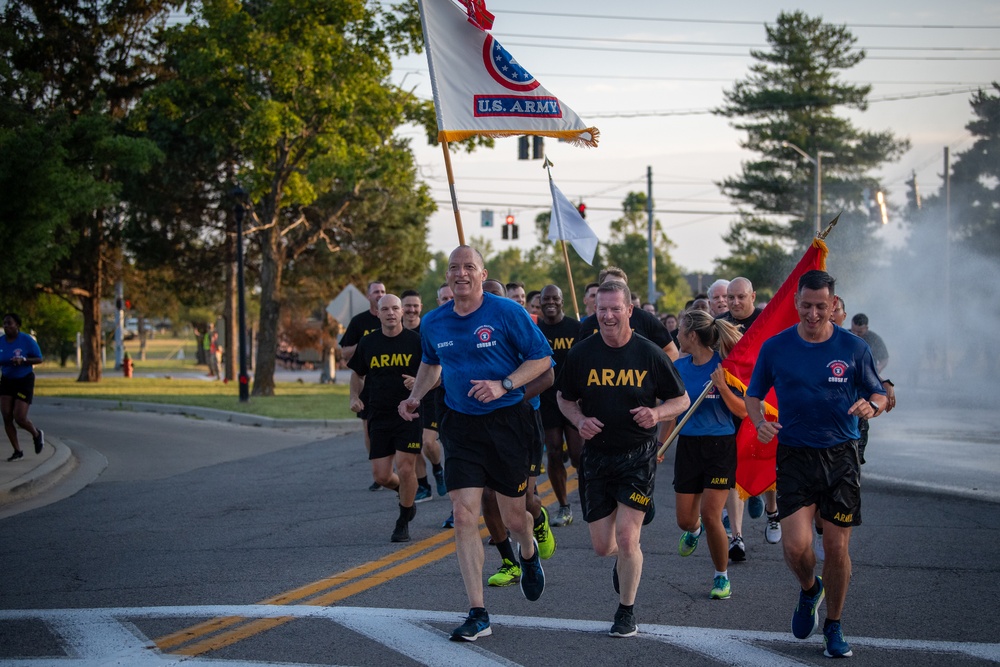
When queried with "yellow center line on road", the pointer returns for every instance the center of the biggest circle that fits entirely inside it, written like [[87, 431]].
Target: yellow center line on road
[[224, 636]]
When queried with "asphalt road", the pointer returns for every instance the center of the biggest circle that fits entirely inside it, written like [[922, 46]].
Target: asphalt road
[[181, 540]]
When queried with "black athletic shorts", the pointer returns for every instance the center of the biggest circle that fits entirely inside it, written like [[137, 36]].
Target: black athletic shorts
[[389, 435], [617, 476], [704, 462], [490, 450], [828, 478], [552, 416], [22, 389], [429, 411], [537, 445]]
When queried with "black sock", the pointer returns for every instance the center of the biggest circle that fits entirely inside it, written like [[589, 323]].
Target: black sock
[[407, 513], [828, 621], [540, 519], [506, 550], [478, 611], [626, 607], [422, 483], [814, 591], [437, 467]]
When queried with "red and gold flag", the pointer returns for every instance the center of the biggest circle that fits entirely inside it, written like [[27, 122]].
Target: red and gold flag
[[755, 462]]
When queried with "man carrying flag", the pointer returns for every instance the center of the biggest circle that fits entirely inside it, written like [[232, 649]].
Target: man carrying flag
[[824, 379]]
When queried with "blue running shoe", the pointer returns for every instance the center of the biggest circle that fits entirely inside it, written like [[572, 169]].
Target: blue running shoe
[[725, 522], [755, 507], [805, 620], [532, 575], [476, 625], [450, 521], [439, 478], [834, 644], [423, 494]]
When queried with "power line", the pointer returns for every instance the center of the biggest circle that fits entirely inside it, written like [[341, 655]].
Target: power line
[[662, 19]]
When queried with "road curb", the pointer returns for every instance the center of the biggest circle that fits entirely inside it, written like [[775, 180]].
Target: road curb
[[241, 418], [41, 477]]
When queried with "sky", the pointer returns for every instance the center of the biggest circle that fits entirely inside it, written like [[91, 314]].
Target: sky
[[646, 73]]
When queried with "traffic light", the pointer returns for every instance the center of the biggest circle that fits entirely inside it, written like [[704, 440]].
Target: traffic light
[[582, 208], [522, 148], [509, 229]]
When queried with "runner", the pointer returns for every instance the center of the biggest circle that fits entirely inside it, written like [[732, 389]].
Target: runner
[[825, 379], [705, 461], [19, 353], [379, 363], [608, 387], [485, 349]]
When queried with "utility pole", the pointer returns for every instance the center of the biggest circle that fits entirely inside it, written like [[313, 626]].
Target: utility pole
[[650, 255], [947, 262]]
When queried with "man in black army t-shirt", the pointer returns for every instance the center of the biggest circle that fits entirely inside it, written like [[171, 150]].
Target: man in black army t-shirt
[[379, 363], [608, 388]]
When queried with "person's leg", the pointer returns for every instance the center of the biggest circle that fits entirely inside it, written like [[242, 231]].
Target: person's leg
[[712, 502], [556, 469], [383, 474], [688, 509], [467, 503], [836, 567], [518, 521], [405, 473], [734, 505], [7, 408], [797, 545], [628, 526]]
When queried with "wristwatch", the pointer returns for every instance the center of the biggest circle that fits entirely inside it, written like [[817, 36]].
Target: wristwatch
[[874, 405], [507, 384]]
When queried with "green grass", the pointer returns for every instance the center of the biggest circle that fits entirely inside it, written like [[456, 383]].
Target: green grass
[[292, 400]]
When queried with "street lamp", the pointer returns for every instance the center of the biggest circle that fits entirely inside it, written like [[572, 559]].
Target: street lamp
[[244, 379], [818, 164]]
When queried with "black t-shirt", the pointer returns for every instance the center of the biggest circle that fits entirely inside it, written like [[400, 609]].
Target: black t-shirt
[[610, 381], [360, 326], [742, 324], [382, 361], [561, 336], [642, 322]]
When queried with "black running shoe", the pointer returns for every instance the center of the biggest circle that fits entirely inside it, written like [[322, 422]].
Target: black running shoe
[[532, 576], [402, 531], [624, 625], [614, 578], [39, 441], [16, 455], [476, 625]]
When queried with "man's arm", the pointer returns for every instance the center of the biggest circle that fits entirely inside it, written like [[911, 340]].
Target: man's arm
[[540, 384], [489, 390], [427, 378], [347, 352], [672, 352], [755, 413], [648, 417], [587, 426], [357, 384]]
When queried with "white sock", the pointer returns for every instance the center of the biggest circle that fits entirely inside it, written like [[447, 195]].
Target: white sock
[[722, 574]]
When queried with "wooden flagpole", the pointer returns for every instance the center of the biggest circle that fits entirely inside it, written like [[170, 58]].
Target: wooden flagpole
[[677, 429], [454, 197], [547, 165]]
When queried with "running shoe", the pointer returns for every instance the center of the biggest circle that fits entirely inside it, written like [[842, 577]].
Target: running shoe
[[614, 577], [375, 486], [720, 588], [507, 575], [772, 532], [546, 540], [449, 522], [16, 455], [564, 516], [476, 625], [439, 478], [755, 507], [423, 494], [688, 543], [39, 441], [624, 625], [834, 644], [725, 522], [402, 531], [532, 575], [805, 619], [737, 550]]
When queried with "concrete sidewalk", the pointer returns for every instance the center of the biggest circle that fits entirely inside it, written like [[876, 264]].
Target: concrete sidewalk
[[33, 473]]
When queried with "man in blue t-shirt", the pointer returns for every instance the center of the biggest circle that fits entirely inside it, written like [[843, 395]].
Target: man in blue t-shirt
[[19, 352], [825, 379], [485, 349]]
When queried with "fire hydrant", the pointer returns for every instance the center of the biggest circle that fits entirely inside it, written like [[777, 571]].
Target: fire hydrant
[[127, 365]]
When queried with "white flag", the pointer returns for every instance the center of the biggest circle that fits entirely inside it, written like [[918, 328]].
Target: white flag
[[567, 224], [480, 89]]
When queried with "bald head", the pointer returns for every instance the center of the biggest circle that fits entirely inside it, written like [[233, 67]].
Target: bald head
[[740, 298], [390, 314]]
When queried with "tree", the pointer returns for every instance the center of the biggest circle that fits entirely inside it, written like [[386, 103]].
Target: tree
[[628, 250], [790, 95], [975, 176], [300, 99], [70, 72]]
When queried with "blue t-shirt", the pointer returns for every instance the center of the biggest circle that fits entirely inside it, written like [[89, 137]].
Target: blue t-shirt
[[487, 344], [712, 417], [816, 384], [23, 345]]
